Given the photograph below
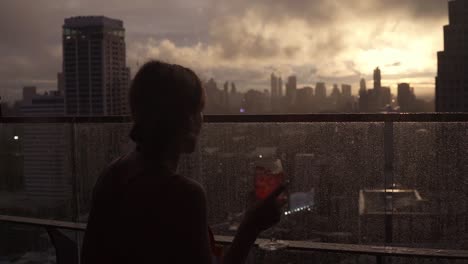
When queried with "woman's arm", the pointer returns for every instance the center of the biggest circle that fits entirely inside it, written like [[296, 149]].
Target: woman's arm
[[262, 216], [193, 227], [183, 221]]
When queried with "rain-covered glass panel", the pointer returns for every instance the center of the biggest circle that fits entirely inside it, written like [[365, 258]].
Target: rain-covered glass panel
[[25, 244], [342, 188], [96, 145], [328, 166], [36, 171], [431, 167]]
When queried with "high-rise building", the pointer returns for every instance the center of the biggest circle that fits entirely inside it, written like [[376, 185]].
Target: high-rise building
[[346, 90], [291, 88], [280, 87], [233, 88], [276, 93], [362, 85], [385, 96], [28, 93], [452, 74], [47, 104], [363, 102], [235, 99], [214, 98], [304, 99], [274, 86], [46, 175], [335, 94], [226, 95], [406, 98], [380, 97], [60, 83], [347, 103], [256, 102], [94, 66], [320, 91], [377, 79], [11, 170]]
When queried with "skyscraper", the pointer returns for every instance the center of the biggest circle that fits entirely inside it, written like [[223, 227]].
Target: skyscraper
[[94, 66], [280, 87], [335, 95], [235, 99], [304, 99], [291, 88], [275, 92], [406, 98], [377, 79], [60, 84], [385, 96], [452, 74], [28, 93], [363, 101], [214, 97], [46, 174], [233, 88], [380, 96], [320, 91], [346, 90], [362, 85], [274, 86]]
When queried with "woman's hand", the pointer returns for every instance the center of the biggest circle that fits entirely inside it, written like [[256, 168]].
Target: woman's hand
[[266, 213], [262, 215]]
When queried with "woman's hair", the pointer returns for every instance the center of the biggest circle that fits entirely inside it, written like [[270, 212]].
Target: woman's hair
[[163, 100]]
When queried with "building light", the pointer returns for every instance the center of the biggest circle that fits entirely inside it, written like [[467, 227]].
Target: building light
[[16, 138]]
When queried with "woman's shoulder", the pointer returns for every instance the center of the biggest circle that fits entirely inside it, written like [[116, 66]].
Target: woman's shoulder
[[153, 176], [189, 185]]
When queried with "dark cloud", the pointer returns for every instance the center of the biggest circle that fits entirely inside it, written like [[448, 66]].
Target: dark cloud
[[30, 46], [238, 40], [395, 64], [326, 11], [351, 66], [426, 9]]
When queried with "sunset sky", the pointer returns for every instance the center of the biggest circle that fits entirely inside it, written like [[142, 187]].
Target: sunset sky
[[336, 41]]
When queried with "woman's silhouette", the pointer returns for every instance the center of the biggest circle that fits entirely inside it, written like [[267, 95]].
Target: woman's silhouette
[[142, 211]]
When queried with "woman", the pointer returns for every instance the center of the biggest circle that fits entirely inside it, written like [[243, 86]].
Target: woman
[[142, 211]]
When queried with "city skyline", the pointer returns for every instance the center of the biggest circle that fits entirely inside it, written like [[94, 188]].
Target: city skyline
[[290, 98], [240, 42]]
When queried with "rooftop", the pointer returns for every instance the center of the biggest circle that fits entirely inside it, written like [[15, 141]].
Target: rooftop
[[92, 21]]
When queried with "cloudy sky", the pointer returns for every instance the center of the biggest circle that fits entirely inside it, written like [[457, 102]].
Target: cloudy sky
[[336, 41]]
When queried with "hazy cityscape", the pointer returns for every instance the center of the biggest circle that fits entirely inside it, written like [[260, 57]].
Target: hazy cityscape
[[281, 94], [338, 170]]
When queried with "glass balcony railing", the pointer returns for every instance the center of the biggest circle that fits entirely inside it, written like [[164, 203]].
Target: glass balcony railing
[[377, 188]]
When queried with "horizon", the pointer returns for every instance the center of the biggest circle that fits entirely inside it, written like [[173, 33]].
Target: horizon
[[242, 42]]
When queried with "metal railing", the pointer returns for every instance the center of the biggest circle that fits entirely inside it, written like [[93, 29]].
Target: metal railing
[[286, 118], [67, 251]]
